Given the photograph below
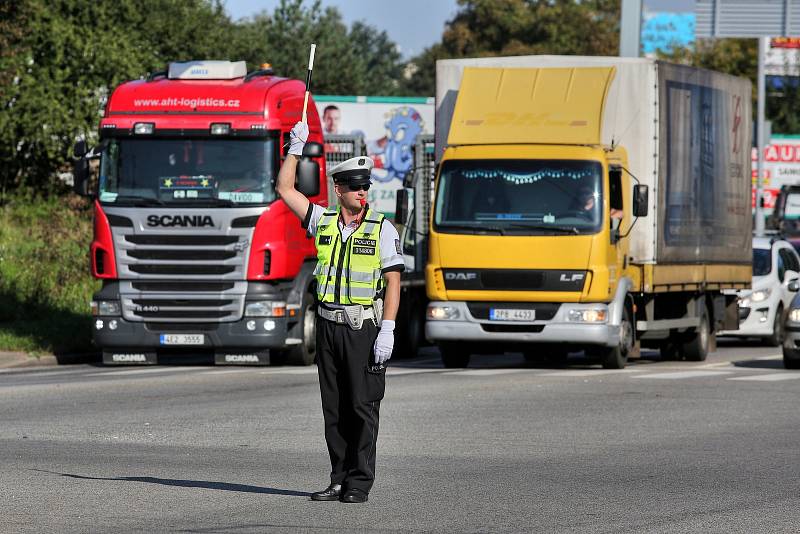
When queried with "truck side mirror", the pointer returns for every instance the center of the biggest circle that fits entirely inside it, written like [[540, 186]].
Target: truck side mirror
[[794, 286], [80, 176], [401, 207], [640, 200], [308, 177], [312, 150], [80, 149]]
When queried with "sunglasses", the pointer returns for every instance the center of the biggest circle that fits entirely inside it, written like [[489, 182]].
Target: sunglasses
[[360, 187]]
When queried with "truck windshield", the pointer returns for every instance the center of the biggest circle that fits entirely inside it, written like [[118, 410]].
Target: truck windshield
[[519, 196], [188, 171]]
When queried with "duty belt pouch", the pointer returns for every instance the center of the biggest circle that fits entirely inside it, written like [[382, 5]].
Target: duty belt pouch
[[377, 308], [353, 316]]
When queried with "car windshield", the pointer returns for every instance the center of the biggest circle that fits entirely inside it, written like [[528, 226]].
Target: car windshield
[[188, 171], [542, 197], [762, 261]]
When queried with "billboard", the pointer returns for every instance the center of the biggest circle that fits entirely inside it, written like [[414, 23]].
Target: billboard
[[390, 126], [781, 167]]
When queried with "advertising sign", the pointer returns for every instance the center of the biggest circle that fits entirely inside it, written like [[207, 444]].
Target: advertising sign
[[781, 167], [390, 126]]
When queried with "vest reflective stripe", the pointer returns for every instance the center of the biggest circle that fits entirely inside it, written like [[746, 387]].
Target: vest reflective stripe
[[356, 276], [355, 293], [360, 275]]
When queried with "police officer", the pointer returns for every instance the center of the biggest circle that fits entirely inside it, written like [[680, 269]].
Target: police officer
[[358, 260]]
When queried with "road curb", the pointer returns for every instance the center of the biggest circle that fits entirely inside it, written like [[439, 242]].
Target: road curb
[[13, 360]]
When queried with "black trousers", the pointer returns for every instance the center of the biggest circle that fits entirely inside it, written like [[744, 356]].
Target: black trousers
[[351, 400]]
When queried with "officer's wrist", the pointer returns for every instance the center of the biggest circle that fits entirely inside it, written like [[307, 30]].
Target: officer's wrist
[[387, 325]]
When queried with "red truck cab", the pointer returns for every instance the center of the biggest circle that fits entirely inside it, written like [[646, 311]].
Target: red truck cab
[[196, 251]]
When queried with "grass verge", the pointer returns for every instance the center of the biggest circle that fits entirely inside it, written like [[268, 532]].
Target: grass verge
[[45, 284]]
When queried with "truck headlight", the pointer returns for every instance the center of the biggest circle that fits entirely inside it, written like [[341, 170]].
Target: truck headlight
[[760, 295], [442, 313], [265, 308], [794, 315], [590, 315], [105, 307]]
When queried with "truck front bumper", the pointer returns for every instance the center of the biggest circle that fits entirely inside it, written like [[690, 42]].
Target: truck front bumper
[[231, 342], [463, 326]]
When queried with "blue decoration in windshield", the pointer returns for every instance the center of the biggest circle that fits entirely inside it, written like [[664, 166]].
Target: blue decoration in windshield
[[527, 178]]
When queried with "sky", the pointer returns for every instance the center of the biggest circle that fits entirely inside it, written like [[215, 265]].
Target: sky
[[412, 24]]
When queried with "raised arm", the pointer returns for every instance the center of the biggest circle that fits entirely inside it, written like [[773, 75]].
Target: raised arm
[[294, 199]]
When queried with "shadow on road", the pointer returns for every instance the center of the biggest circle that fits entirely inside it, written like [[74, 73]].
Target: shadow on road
[[224, 486], [759, 364]]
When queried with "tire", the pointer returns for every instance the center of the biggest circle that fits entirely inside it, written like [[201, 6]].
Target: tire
[[454, 355], [306, 352], [776, 339], [695, 349], [617, 357], [791, 358], [410, 338]]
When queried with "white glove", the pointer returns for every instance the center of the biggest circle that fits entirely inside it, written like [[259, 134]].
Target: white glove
[[297, 138], [385, 342]]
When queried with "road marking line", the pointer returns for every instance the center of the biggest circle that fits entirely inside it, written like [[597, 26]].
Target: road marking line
[[225, 371], [684, 374], [395, 371], [487, 372], [769, 378], [592, 372], [770, 357], [147, 371], [290, 371]]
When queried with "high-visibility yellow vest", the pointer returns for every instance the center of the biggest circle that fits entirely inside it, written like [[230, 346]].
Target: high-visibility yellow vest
[[349, 272]]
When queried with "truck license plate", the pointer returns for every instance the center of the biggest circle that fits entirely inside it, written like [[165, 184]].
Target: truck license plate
[[182, 339], [500, 314]]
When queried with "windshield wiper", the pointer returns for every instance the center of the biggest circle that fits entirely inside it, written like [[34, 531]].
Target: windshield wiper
[[563, 229], [472, 228], [139, 200]]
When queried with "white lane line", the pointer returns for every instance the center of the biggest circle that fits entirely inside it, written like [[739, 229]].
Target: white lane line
[[306, 371], [148, 371], [225, 371], [592, 372], [36, 374], [487, 372], [769, 378], [400, 371], [684, 374], [770, 357]]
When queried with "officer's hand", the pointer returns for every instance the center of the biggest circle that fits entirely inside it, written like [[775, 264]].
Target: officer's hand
[[385, 342], [297, 138]]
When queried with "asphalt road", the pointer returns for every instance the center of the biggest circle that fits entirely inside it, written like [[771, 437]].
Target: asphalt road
[[499, 447]]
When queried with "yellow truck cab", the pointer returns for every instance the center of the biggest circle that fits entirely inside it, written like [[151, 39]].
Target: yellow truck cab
[[600, 205]]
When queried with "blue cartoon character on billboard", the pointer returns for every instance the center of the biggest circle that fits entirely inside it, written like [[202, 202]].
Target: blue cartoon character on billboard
[[393, 153]]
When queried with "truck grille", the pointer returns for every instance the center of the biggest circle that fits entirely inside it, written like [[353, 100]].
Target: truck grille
[[183, 276]]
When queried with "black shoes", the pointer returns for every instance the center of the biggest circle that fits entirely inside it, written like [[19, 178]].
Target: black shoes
[[331, 493], [334, 493], [354, 495]]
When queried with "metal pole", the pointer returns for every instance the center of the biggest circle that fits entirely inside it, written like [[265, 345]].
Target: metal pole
[[630, 28], [762, 54]]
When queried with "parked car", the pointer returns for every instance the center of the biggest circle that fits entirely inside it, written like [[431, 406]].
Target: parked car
[[762, 308], [791, 342]]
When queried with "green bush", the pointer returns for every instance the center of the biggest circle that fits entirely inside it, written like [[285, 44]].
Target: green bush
[[45, 283]]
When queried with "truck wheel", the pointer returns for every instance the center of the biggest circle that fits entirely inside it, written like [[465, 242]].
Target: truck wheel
[[776, 339], [617, 357], [454, 355], [696, 348], [306, 352], [669, 350], [791, 358], [410, 338]]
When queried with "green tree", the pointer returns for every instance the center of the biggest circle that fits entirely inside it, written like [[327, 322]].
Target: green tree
[[519, 27]]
